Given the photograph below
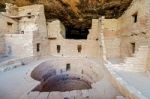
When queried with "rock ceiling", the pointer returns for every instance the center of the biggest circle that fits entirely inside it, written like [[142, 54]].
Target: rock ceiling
[[76, 14]]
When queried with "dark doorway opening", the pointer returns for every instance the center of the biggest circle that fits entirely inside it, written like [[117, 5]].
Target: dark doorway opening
[[133, 47], [67, 67], [29, 15], [9, 23], [10, 26], [58, 48], [79, 47], [38, 47], [135, 17], [75, 33]]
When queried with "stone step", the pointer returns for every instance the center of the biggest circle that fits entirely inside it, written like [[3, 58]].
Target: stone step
[[130, 69], [138, 66], [120, 97], [135, 70], [130, 66], [145, 47], [136, 62], [142, 51], [139, 57], [134, 65], [141, 54], [136, 59]]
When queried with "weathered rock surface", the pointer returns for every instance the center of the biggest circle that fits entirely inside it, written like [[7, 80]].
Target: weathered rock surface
[[76, 14]]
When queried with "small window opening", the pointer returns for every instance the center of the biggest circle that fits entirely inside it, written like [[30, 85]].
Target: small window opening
[[82, 72], [133, 47], [67, 67], [58, 48], [9, 23], [38, 47], [66, 98], [135, 17], [22, 32], [29, 15], [79, 47]]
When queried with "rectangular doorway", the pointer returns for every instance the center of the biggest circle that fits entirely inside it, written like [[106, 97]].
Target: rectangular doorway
[[133, 47], [58, 48], [68, 67]]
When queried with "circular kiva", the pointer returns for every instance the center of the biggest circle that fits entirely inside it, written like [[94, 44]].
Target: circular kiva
[[66, 75]]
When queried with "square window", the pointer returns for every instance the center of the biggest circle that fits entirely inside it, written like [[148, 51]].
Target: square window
[[58, 48], [9, 23], [29, 15], [38, 47], [135, 17], [79, 48], [67, 67]]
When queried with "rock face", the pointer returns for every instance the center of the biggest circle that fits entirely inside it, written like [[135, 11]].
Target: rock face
[[76, 14]]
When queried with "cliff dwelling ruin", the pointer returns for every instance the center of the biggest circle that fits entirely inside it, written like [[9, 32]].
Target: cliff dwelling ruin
[[46, 58]]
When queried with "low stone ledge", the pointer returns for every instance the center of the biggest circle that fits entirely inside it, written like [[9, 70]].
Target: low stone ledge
[[14, 63], [127, 90]]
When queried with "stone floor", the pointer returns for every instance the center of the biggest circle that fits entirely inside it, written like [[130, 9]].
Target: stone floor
[[17, 82]]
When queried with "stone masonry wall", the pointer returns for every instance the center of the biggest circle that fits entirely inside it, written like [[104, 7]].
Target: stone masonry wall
[[69, 48], [94, 31], [19, 45], [112, 39], [135, 30], [35, 24], [7, 26], [58, 31], [74, 48]]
